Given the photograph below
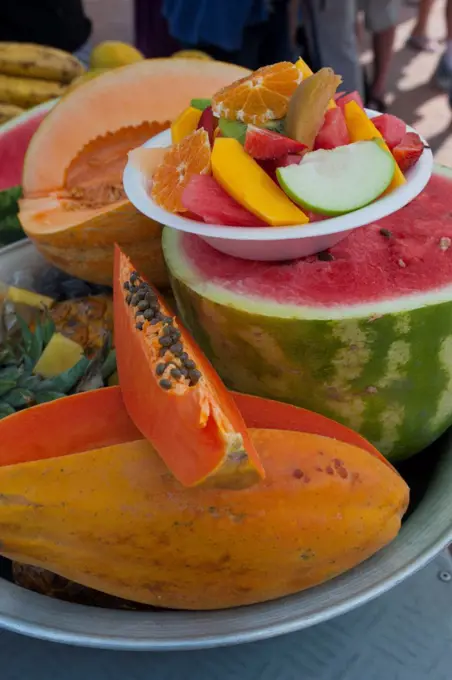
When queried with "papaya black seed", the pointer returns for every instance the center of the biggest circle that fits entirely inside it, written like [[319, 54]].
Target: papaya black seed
[[135, 299], [163, 351], [126, 285], [142, 305], [133, 277], [139, 325], [160, 370], [165, 341], [194, 376], [167, 330], [168, 319], [176, 349], [175, 373], [148, 314], [128, 298], [183, 372], [138, 313], [155, 321], [165, 383], [183, 356], [190, 364], [175, 332]]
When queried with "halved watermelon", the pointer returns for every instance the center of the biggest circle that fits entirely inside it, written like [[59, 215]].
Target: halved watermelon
[[361, 333]]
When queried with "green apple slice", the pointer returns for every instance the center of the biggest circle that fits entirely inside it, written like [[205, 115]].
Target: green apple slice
[[341, 180]]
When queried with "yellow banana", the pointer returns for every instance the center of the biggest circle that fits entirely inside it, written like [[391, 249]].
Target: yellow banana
[[28, 92], [38, 61], [8, 111]]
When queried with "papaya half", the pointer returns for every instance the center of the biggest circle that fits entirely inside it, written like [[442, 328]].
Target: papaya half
[[96, 504], [74, 207], [173, 394]]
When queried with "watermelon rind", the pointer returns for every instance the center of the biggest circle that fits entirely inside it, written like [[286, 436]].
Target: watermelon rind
[[384, 368]]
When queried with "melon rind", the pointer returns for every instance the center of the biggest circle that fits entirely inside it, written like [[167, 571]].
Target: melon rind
[[383, 369]]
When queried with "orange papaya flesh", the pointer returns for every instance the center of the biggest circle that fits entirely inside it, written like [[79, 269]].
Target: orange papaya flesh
[[173, 394], [276, 415], [116, 520]]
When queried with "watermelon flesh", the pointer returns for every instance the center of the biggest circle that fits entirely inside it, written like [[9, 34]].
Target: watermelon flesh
[[362, 333], [203, 196], [333, 132], [15, 137], [393, 129]]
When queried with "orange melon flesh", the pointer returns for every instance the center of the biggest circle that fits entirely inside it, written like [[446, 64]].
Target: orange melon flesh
[[151, 90], [74, 207]]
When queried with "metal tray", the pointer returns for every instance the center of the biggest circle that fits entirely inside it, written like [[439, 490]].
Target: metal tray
[[427, 529]]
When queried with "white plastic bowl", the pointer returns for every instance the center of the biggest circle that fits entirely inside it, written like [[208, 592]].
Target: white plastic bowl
[[277, 243]]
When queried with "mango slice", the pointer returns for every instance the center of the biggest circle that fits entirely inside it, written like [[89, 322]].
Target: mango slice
[[361, 128], [185, 124], [250, 185], [306, 72], [308, 105]]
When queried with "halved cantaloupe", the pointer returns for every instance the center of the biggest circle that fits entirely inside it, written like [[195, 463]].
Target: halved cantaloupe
[[74, 207]]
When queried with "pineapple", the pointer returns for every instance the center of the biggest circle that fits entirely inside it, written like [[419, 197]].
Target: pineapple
[[21, 349]]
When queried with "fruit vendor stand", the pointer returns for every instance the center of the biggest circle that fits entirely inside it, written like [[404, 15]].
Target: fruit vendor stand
[[225, 378]]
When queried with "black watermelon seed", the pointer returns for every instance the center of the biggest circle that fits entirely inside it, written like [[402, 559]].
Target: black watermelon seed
[[128, 298], [126, 285], [386, 233], [139, 325], [165, 383], [194, 376], [142, 305], [148, 314], [325, 256], [165, 341], [160, 370], [190, 364], [176, 349], [175, 373]]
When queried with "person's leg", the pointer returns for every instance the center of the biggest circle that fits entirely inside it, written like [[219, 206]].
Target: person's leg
[[419, 36], [381, 21], [334, 25], [443, 74]]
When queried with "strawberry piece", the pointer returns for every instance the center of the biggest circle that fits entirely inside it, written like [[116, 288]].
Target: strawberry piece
[[350, 97], [392, 128], [333, 132], [264, 144], [209, 123], [205, 197], [408, 151]]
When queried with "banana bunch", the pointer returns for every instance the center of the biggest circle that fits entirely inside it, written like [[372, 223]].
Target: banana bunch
[[32, 74]]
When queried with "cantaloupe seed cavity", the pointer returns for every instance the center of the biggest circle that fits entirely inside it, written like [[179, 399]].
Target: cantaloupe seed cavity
[[93, 178]]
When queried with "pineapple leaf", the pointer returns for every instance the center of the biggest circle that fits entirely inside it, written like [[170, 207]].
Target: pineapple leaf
[[93, 378], [49, 395], [27, 335], [28, 364], [10, 373], [109, 365], [67, 380], [6, 410], [6, 386], [30, 382], [48, 329], [19, 397]]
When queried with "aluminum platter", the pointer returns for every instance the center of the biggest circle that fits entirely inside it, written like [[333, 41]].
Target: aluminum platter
[[427, 529]]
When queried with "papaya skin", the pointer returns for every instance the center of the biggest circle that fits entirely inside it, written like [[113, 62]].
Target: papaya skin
[[116, 520]]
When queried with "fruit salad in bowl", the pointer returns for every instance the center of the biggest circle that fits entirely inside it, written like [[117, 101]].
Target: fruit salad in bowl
[[278, 165]]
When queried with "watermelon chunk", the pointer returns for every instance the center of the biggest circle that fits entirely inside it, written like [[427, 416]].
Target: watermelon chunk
[[15, 137], [350, 97], [392, 128], [408, 151], [204, 197], [263, 144], [333, 132]]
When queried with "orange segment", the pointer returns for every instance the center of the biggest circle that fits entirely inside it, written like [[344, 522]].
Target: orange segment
[[260, 97], [190, 157]]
